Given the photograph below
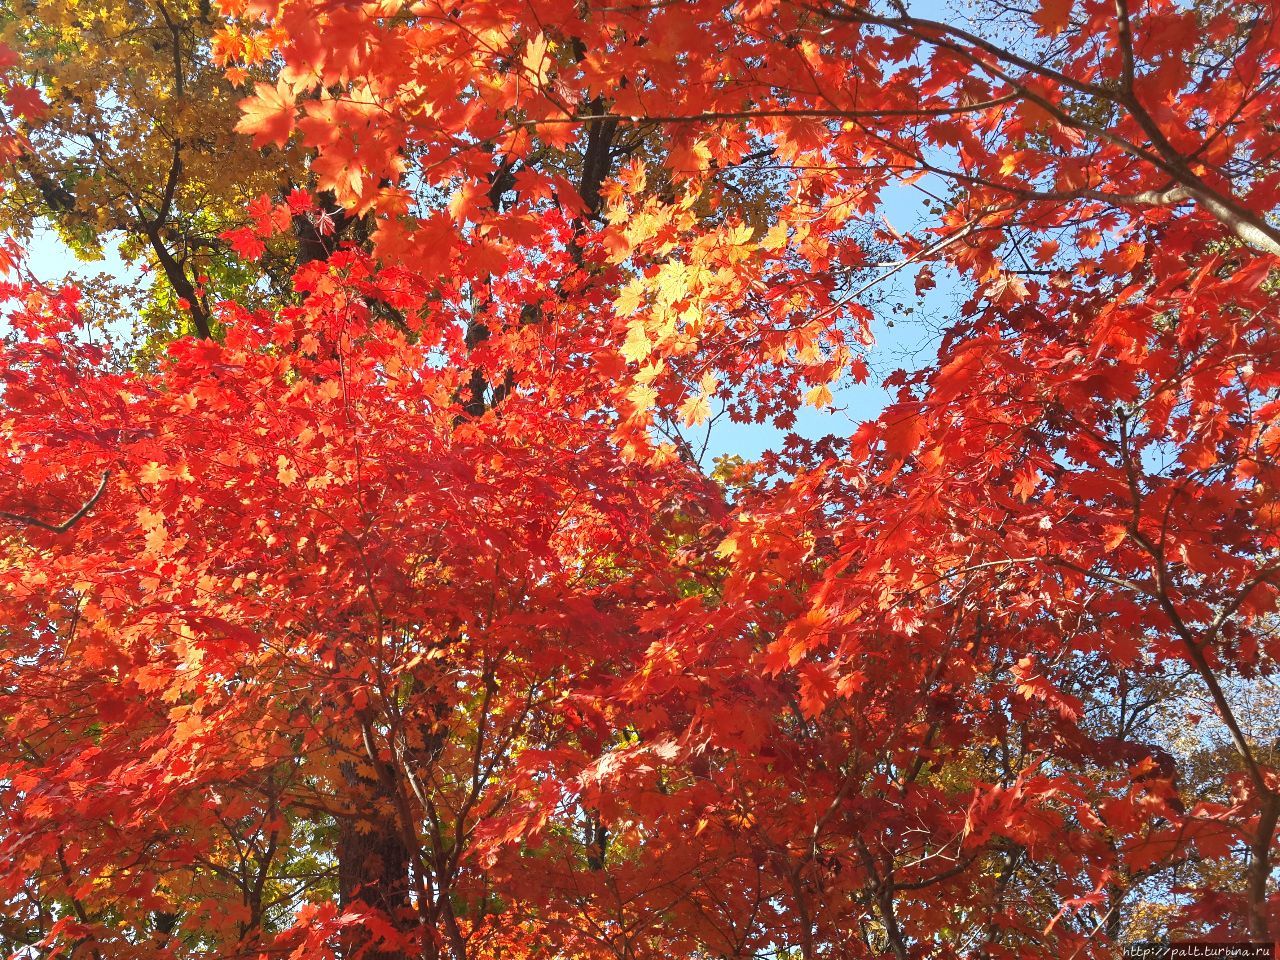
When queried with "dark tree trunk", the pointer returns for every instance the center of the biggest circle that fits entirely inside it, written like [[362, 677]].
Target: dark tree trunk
[[373, 867]]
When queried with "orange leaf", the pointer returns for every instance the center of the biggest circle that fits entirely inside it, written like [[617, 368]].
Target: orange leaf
[[269, 115]]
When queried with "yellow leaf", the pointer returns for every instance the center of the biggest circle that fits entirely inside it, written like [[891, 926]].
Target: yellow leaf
[[695, 410], [536, 60], [285, 472], [642, 397], [776, 238], [629, 300], [819, 396], [637, 345]]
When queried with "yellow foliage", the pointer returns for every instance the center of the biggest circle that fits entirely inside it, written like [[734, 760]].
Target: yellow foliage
[[137, 145]]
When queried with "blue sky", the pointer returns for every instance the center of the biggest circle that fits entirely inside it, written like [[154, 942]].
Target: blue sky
[[901, 341]]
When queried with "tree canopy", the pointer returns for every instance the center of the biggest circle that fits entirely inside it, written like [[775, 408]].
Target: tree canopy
[[376, 604]]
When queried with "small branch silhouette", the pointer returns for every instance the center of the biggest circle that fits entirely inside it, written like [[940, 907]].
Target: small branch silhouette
[[70, 521]]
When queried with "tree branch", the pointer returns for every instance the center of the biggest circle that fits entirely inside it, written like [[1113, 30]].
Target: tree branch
[[70, 521]]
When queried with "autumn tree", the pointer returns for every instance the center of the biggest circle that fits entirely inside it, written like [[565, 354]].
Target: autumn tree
[[397, 619], [128, 140]]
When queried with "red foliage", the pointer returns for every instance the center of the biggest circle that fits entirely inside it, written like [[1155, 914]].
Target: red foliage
[[409, 584]]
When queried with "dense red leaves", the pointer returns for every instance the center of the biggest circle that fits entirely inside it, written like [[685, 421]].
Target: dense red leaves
[[425, 553], [216, 648]]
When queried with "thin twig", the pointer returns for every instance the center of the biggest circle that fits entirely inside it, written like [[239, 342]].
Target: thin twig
[[70, 521]]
